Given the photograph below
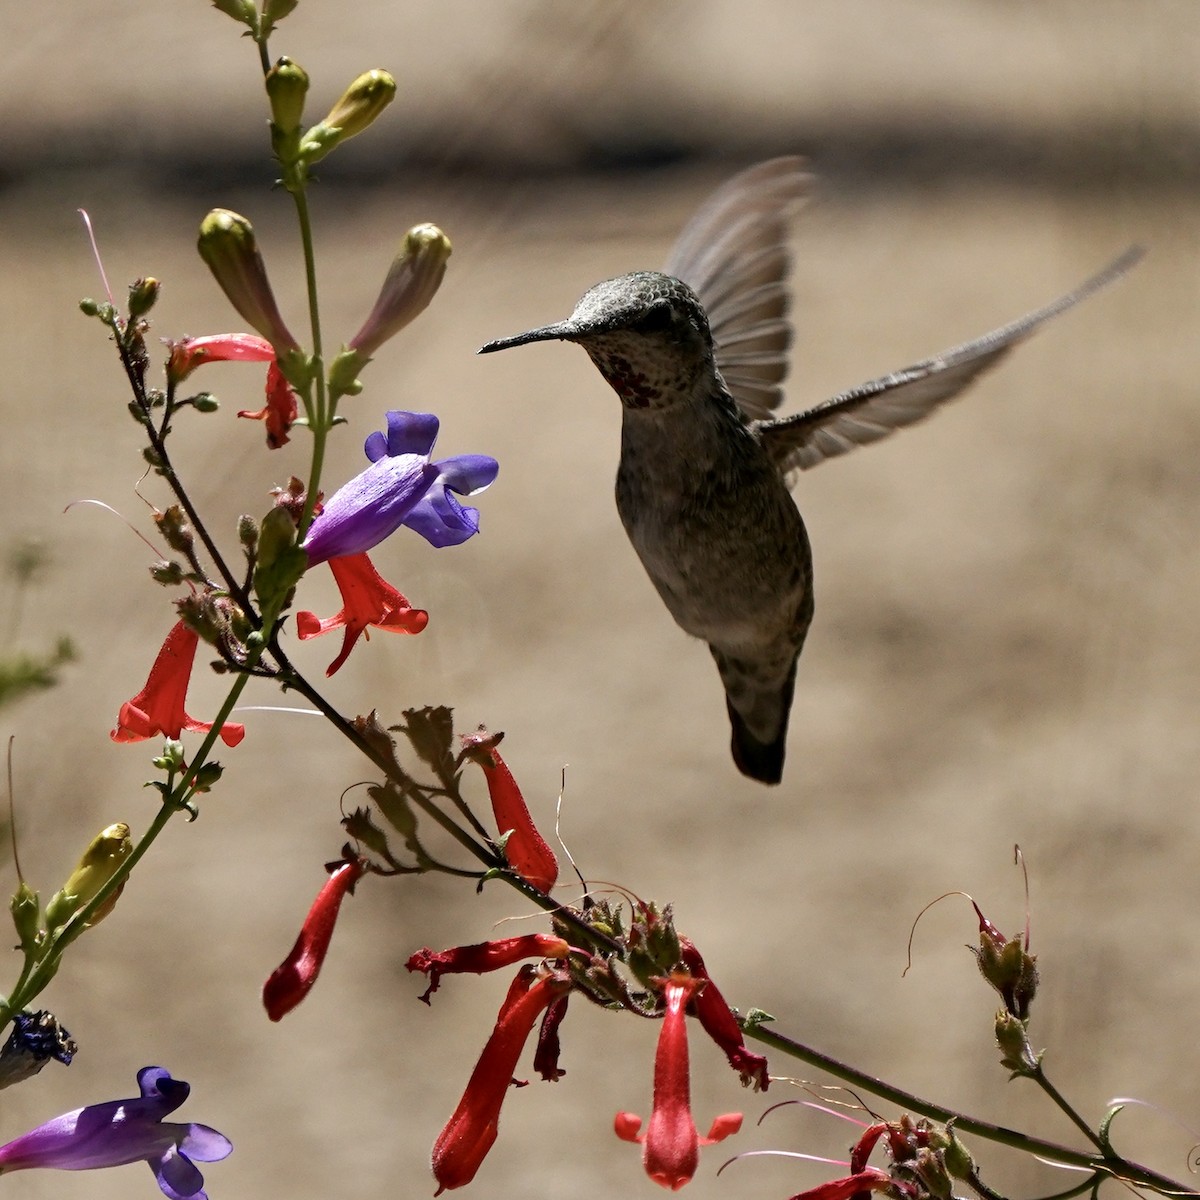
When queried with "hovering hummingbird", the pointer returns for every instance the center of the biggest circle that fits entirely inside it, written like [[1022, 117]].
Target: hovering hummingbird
[[696, 355]]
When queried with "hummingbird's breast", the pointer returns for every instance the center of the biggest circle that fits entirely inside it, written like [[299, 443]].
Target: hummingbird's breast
[[714, 525]]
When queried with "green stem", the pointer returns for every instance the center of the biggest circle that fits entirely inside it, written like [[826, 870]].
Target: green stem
[[1106, 1164], [320, 410], [33, 981], [1041, 1079]]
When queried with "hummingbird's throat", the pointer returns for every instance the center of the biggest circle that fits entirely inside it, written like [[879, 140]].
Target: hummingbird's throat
[[632, 386]]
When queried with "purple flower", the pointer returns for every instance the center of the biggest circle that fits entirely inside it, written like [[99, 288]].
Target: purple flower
[[124, 1131], [401, 487]]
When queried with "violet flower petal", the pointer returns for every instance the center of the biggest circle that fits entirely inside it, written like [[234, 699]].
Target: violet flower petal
[[161, 1091], [468, 473], [177, 1178], [441, 520], [205, 1144], [411, 432], [370, 507]]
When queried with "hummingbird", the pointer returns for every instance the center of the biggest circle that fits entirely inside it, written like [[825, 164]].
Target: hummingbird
[[697, 354]]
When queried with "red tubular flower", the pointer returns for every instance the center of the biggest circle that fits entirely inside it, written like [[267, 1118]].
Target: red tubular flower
[[871, 1179], [158, 707], [189, 353], [526, 849], [469, 1134], [484, 956], [367, 599], [720, 1024], [545, 1058], [293, 979], [671, 1143], [279, 413]]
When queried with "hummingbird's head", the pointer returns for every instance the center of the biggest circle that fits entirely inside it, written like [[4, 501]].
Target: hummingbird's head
[[646, 332]]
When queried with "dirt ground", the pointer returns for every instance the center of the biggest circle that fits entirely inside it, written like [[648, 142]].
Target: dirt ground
[[1005, 649]]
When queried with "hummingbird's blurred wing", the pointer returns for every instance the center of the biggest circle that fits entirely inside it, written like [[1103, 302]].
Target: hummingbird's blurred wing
[[874, 410], [733, 255]]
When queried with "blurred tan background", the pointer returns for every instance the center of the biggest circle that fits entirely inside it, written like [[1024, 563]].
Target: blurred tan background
[[1005, 649]]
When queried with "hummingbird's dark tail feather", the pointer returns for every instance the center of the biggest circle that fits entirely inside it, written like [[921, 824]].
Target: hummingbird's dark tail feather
[[760, 719], [759, 760]]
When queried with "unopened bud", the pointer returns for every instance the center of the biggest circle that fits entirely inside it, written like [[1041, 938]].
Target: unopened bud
[[142, 295], [958, 1159], [26, 909], [169, 574], [287, 86], [281, 561], [273, 11], [360, 104], [1016, 1053], [247, 532], [240, 10], [206, 776], [412, 281], [100, 861], [175, 530], [653, 941], [227, 245], [171, 758]]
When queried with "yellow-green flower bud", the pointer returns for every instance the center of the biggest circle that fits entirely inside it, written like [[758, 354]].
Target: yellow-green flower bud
[[958, 1159], [414, 277], [287, 86], [239, 10], [100, 861], [273, 11], [227, 245], [26, 910], [360, 104], [247, 531], [412, 281], [172, 757], [281, 561], [1016, 1053], [142, 295]]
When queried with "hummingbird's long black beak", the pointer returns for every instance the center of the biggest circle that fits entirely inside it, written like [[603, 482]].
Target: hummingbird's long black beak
[[547, 333]]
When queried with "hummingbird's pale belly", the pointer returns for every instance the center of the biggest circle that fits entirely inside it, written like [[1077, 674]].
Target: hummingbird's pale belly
[[731, 563]]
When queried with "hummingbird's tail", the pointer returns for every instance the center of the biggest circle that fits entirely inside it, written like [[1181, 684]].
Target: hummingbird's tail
[[758, 715]]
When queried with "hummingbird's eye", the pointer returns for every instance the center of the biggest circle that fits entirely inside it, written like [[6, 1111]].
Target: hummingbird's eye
[[655, 319]]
